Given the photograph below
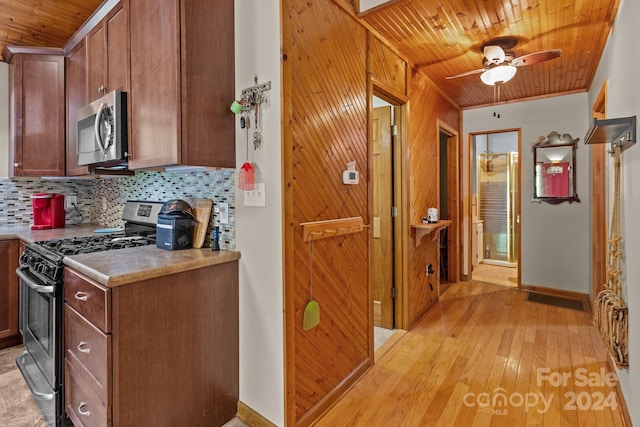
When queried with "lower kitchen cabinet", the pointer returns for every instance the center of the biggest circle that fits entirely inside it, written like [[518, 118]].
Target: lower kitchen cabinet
[[158, 352], [9, 334]]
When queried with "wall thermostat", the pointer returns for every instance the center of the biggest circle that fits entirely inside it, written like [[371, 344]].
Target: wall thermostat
[[350, 177]]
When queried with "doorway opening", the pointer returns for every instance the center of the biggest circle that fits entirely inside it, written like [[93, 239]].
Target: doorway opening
[[495, 218], [448, 204], [387, 216]]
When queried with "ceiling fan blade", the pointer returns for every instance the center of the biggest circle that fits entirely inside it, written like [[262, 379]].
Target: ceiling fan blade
[[468, 73], [534, 58]]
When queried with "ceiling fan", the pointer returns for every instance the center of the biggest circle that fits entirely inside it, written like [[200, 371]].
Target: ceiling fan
[[500, 63]]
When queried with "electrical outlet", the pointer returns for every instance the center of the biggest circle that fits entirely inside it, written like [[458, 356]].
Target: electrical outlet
[[255, 197], [70, 200], [223, 213]]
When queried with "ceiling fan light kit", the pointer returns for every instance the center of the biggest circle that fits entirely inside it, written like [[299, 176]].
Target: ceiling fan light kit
[[500, 63], [498, 74]]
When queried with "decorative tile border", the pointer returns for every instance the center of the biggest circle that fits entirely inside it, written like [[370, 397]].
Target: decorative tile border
[[101, 201]]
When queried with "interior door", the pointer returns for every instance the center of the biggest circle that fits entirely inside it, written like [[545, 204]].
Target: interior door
[[382, 217]]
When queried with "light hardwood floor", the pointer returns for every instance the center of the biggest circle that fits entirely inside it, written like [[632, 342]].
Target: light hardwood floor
[[485, 356], [495, 274]]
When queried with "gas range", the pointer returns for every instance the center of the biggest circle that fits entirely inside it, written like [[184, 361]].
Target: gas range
[[45, 257]]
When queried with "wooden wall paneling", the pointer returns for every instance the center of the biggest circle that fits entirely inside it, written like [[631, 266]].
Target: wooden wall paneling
[[386, 66], [327, 127], [428, 109]]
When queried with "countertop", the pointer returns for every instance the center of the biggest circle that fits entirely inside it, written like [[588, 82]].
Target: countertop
[[27, 235], [121, 266]]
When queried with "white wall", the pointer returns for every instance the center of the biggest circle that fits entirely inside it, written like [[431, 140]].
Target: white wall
[[368, 4], [555, 238], [619, 65], [259, 229], [4, 119]]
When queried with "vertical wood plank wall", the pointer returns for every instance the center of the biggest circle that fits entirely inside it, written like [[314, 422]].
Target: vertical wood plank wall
[[324, 127], [386, 66], [328, 129], [426, 107]]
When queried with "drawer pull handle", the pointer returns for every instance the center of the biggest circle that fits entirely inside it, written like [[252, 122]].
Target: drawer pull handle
[[81, 296], [84, 347], [81, 412]]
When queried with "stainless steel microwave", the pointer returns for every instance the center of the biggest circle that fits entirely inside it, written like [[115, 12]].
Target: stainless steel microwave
[[102, 130]]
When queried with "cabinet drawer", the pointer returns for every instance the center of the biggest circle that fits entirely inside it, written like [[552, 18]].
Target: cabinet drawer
[[83, 407], [91, 348], [90, 299]]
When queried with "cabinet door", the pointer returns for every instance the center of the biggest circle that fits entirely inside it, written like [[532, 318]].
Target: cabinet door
[[208, 82], [76, 98], [8, 289], [38, 115], [155, 88], [108, 58], [117, 33], [97, 62]]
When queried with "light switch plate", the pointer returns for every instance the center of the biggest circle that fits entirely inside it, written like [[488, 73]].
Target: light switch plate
[[223, 213], [255, 197]]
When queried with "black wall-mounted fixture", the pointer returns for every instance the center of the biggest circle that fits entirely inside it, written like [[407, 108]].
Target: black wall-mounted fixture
[[620, 131]]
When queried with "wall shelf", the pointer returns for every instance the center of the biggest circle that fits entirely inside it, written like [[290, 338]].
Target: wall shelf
[[424, 229], [620, 131]]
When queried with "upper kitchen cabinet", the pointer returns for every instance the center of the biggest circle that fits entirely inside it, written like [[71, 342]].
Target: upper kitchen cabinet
[[96, 65], [107, 54], [182, 83], [76, 79], [37, 111]]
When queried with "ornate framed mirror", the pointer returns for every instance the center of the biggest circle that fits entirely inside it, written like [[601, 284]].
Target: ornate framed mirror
[[554, 169]]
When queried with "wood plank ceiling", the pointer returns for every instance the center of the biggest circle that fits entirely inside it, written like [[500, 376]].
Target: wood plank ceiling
[[42, 23], [440, 37], [444, 38]]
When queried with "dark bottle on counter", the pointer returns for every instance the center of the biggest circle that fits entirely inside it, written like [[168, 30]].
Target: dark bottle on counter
[[215, 239]]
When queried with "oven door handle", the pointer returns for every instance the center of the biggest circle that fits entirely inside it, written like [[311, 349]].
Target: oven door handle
[[31, 282]]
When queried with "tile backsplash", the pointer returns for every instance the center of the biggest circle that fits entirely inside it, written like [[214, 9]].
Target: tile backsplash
[[100, 201]]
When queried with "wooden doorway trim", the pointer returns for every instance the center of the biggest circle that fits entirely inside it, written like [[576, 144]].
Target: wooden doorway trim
[[599, 223], [453, 199], [518, 201], [401, 229]]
